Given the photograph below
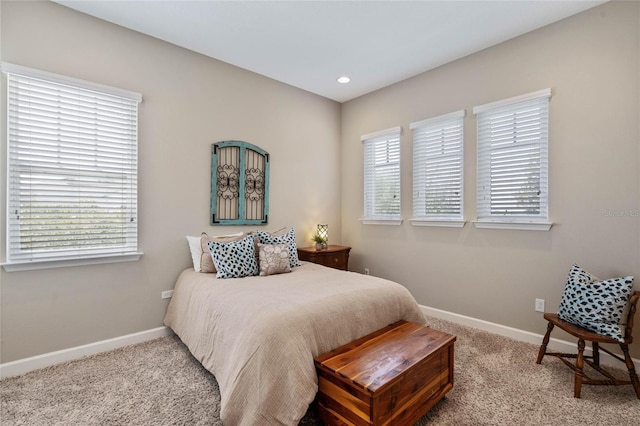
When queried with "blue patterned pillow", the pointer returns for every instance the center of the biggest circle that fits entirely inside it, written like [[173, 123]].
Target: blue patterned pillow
[[282, 237], [595, 305], [234, 259]]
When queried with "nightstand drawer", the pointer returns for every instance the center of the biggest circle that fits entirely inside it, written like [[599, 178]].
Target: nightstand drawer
[[333, 260], [333, 256]]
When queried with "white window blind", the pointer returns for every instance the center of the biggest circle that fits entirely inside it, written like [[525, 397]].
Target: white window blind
[[438, 167], [513, 159], [382, 175], [72, 168]]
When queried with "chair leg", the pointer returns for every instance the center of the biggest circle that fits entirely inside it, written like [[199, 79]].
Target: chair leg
[[632, 370], [596, 353], [577, 385], [545, 342]]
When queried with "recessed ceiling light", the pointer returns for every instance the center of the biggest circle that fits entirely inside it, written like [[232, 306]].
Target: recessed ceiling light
[[344, 79]]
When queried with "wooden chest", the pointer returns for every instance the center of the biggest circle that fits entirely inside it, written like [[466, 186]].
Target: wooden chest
[[390, 377]]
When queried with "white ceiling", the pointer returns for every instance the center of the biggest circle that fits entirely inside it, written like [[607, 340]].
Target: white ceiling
[[309, 44]]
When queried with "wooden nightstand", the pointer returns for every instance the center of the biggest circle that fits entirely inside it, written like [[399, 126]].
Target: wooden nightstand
[[333, 256]]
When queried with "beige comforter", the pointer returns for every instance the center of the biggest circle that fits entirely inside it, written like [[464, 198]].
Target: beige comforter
[[259, 335]]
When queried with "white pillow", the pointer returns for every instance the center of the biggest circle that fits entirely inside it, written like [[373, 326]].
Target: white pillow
[[196, 249]]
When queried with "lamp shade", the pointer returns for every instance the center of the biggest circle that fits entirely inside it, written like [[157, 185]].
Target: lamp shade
[[323, 232]]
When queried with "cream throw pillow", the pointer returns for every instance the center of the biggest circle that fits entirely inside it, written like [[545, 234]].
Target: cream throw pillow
[[274, 259], [206, 261], [282, 236]]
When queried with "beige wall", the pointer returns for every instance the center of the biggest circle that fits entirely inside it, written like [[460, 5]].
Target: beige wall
[[190, 102], [590, 61]]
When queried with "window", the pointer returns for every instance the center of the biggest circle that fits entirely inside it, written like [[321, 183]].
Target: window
[[72, 171], [438, 170], [382, 177], [239, 184], [513, 162]]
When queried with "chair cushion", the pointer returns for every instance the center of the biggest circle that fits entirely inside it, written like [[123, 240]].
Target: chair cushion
[[595, 305]]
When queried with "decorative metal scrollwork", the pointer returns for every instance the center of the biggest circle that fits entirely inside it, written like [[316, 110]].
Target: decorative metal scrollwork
[[228, 182], [254, 184]]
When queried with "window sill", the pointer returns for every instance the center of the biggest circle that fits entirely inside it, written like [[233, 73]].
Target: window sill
[[522, 226], [444, 223], [63, 263], [381, 221]]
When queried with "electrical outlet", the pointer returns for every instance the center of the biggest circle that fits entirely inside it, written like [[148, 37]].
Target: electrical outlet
[[366, 271], [166, 294], [539, 305]]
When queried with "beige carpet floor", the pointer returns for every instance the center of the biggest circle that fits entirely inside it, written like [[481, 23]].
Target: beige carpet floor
[[159, 383]]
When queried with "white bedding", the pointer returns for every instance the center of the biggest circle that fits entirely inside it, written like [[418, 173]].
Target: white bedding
[[259, 335]]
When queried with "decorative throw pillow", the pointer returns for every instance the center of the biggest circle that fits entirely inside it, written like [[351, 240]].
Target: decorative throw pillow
[[235, 259], [274, 259], [196, 251], [206, 262], [283, 236], [577, 275], [595, 305]]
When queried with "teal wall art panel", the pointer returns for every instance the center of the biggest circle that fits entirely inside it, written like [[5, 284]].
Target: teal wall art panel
[[239, 184]]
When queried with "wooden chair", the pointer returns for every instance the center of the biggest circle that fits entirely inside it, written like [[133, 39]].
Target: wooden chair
[[593, 360]]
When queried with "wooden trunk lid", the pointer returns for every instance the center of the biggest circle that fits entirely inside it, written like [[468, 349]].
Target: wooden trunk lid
[[390, 377]]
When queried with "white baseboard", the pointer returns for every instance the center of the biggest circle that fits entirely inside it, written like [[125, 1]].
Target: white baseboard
[[520, 335], [22, 366]]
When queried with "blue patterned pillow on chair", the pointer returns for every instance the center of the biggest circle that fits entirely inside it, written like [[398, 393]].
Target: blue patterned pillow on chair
[[234, 259], [595, 305], [282, 236]]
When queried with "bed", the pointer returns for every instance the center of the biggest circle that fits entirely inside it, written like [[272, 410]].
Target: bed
[[259, 335]]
